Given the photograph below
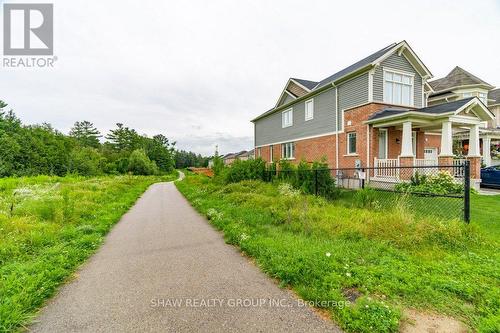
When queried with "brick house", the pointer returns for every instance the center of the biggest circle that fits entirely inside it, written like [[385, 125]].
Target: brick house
[[381, 111]]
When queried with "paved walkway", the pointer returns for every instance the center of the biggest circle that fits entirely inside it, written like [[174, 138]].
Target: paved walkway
[[163, 252]]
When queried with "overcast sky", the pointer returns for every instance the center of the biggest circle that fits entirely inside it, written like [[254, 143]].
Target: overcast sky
[[199, 71]]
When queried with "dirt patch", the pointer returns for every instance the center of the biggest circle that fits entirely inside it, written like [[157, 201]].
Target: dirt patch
[[352, 294], [202, 171], [420, 322]]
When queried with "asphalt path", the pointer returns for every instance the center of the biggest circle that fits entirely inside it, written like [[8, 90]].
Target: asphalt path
[[163, 268]]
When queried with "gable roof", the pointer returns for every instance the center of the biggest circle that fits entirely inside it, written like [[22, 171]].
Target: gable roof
[[389, 112], [458, 77], [436, 110], [363, 64], [357, 65], [241, 153], [494, 95], [227, 156], [306, 83]]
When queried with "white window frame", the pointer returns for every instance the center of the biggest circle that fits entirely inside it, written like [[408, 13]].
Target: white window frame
[[411, 84], [311, 116], [283, 124], [271, 148], [483, 99], [349, 152], [290, 148]]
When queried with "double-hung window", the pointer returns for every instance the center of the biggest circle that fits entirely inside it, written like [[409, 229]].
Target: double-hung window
[[287, 118], [288, 150], [398, 88], [351, 143], [309, 110]]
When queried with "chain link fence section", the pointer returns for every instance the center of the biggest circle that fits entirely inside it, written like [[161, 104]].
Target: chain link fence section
[[426, 190]]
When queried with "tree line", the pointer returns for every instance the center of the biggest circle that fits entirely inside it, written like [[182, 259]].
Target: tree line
[[27, 150]]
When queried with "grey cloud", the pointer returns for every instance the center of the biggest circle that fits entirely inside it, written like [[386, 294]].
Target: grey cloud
[[198, 71]]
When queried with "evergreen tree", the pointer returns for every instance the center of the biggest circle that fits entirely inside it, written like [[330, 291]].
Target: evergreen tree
[[85, 134], [123, 139], [161, 151]]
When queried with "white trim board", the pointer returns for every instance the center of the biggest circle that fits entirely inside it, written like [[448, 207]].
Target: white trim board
[[297, 139]]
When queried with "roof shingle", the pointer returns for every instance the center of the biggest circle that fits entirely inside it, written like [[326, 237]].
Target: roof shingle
[[495, 96], [456, 78], [360, 64], [306, 83], [436, 109]]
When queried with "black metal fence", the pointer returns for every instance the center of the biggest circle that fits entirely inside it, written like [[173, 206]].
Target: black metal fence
[[438, 190]]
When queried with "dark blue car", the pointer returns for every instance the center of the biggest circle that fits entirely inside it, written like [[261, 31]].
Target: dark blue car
[[490, 176]]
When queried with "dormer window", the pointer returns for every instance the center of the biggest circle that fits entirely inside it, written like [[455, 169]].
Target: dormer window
[[398, 88]]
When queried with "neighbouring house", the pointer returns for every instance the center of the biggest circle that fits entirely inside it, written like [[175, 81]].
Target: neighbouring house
[[458, 85], [229, 158], [381, 111], [242, 155]]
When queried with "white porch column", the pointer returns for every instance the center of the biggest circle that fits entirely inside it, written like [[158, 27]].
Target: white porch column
[[407, 145], [474, 142], [487, 151], [446, 140]]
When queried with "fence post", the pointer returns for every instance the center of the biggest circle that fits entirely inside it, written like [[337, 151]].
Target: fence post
[[363, 180], [466, 167], [316, 181]]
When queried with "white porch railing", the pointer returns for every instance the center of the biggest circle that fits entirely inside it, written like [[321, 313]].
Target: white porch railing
[[388, 169], [457, 171], [392, 165]]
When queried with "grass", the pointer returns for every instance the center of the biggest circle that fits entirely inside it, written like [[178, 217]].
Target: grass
[[383, 261], [440, 207], [48, 227], [485, 212]]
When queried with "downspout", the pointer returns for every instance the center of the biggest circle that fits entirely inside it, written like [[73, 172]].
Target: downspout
[[337, 129], [367, 145]]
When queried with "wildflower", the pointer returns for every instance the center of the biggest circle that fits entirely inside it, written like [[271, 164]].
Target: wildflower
[[328, 254], [287, 190], [348, 274]]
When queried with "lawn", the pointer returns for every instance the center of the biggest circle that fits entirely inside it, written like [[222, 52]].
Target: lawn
[[485, 212], [384, 261], [48, 227]]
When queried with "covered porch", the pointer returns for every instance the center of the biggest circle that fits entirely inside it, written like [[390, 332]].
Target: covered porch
[[403, 139], [489, 141]]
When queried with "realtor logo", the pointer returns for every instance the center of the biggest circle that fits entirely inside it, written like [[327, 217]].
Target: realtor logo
[[28, 29]]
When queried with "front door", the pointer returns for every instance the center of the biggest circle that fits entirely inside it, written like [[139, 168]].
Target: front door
[[382, 144]]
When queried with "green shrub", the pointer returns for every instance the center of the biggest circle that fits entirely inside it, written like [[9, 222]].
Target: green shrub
[[252, 169], [325, 181], [366, 198], [86, 161], [140, 164], [305, 178], [218, 165], [287, 172], [441, 183], [418, 179]]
